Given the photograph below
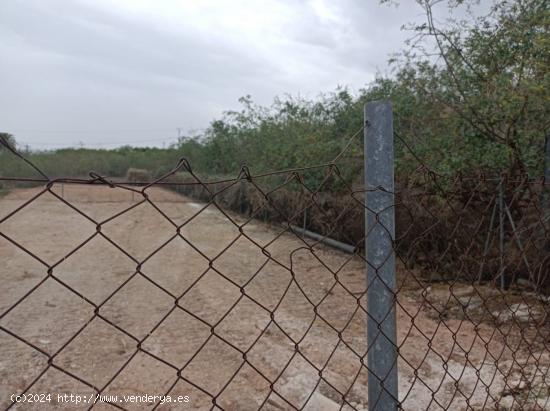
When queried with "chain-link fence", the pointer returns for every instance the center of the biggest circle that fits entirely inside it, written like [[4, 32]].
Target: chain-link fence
[[256, 292]]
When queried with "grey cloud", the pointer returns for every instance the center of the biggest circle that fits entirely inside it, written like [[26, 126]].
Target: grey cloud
[[68, 65], [125, 52]]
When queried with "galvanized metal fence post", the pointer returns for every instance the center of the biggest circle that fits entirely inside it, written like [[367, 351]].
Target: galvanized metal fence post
[[381, 275]]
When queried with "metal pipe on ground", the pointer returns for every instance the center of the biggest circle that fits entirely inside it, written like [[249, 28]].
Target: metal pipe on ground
[[325, 240]]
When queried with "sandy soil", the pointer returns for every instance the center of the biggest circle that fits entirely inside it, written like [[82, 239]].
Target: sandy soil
[[134, 296]]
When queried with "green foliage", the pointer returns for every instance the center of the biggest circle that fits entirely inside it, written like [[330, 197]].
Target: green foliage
[[483, 102], [290, 133]]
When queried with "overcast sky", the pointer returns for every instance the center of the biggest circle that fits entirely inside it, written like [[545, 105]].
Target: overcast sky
[[103, 73]]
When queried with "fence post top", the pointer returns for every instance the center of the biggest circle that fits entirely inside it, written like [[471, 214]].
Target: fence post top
[[383, 102]]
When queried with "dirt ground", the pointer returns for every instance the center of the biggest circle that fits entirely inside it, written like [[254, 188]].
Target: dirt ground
[[108, 290]]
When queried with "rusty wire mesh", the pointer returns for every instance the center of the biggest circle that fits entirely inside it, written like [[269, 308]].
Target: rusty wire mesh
[[114, 288]]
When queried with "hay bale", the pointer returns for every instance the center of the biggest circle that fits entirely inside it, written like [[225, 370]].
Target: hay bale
[[138, 175]]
